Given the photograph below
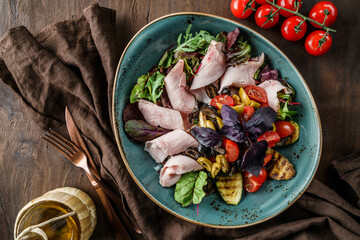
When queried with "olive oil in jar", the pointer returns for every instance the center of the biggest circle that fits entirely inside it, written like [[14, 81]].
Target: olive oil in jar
[[64, 229]]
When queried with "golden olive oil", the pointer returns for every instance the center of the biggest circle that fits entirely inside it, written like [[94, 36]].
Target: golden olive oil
[[63, 229]]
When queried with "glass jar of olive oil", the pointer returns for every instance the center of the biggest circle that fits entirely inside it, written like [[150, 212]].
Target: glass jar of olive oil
[[61, 214]]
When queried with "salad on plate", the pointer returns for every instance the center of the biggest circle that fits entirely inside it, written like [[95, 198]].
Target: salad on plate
[[211, 116]]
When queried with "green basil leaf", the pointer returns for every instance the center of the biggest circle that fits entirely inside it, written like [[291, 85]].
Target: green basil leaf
[[189, 188]]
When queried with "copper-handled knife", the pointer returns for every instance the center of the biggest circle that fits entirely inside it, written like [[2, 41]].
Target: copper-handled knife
[[119, 229]]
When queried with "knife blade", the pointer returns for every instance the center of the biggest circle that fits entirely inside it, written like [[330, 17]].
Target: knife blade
[[75, 135]]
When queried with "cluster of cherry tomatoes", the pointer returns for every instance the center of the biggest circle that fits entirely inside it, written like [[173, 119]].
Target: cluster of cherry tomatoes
[[294, 27]]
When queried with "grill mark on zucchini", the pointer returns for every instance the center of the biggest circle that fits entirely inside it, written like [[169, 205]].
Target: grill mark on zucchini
[[230, 188], [282, 168]]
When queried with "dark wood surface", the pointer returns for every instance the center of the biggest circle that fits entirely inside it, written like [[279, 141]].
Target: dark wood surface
[[29, 168]]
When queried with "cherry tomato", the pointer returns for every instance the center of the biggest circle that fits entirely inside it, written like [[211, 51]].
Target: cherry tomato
[[284, 128], [256, 93], [242, 8], [316, 45], [222, 99], [288, 4], [290, 29], [247, 113], [318, 11], [261, 2], [232, 150], [264, 105], [267, 159], [271, 137], [251, 182], [265, 17]]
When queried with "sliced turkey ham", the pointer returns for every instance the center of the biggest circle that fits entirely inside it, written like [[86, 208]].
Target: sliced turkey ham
[[272, 87], [175, 83], [172, 143], [212, 66], [241, 75], [160, 116], [174, 167]]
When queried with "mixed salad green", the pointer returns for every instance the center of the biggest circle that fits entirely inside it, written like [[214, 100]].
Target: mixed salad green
[[236, 131]]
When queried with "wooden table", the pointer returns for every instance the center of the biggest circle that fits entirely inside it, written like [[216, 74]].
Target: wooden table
[[29, 168]]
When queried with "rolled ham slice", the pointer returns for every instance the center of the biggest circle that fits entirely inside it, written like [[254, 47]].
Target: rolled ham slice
[[241, 75], [172, 143], [272, 87], [175, 83], [212, 66], [174, 167], [201, 95], [160, 116]]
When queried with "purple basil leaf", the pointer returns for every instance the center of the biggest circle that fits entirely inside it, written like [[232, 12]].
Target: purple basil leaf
[[141, 131], [269, 74], [235, 133], [260, 122], [206, 136], [229, 116], [253, 159], [231, 38], [132, 112]]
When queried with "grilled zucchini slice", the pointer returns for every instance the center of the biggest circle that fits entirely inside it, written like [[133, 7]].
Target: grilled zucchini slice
[[281, 168], [290, 139], [230, 188]]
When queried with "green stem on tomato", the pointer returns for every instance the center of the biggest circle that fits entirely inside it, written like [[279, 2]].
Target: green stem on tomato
[[302, 16], [298, 27], [248, 6], [322, 40]]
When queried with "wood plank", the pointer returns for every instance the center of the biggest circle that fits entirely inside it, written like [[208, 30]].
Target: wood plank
[[29, 167]]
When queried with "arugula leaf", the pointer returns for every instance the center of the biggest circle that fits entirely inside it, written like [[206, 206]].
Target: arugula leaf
[[149, 86], [200, 42], [284, 112], [189, 188]]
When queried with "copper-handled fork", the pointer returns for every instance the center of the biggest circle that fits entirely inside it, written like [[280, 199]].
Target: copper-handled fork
[[79, 159]]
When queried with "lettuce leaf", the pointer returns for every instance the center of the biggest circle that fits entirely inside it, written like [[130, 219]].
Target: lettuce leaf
[[231, 38], [140, 131], [189, 188], [166, 59], [269, 74], [149, 86], [239, 54]]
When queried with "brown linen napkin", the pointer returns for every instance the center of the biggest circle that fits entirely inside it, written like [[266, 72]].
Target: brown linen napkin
[[73, 63]]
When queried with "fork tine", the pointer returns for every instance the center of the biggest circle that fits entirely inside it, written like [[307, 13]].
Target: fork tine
[[60, 142], [64, 140], [57, 145]]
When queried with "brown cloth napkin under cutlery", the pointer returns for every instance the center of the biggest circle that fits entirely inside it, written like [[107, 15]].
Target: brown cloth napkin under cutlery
[[72, 63]]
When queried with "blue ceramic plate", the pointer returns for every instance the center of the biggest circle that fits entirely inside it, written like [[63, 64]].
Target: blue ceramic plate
[[144, 51]]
